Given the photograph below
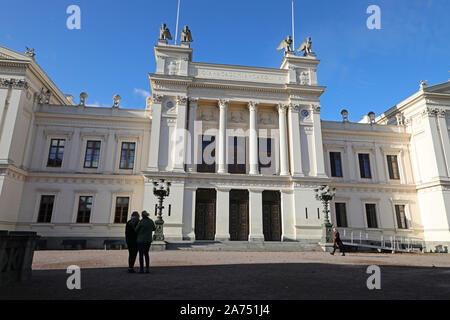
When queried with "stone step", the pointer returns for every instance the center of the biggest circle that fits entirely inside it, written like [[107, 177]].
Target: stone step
[[243, 246]]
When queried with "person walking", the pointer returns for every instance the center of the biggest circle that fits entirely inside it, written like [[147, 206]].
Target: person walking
[[144, 231], [338, 243], [131, 239]]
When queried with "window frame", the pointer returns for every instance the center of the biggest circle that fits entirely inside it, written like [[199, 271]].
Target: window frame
[[128, 155], [375, 204], [99, 149], [59, 139], [389, 164], [361, 171], [204, 167], [405, 212], [333, 164], [336, 214], [79, 196], [235, 167], [116, 198]]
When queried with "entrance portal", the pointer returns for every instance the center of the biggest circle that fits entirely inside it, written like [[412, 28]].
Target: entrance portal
[[205, 214], [239, 221], [272, 216]]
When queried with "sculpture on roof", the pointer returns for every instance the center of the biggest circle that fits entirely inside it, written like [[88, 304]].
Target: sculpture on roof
[[186, 35], [30, 52], [164, 33], [286, 45], [306, 47], [116, 101], [423, 84]]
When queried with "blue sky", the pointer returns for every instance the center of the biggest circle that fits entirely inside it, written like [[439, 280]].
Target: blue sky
[[364, 70]]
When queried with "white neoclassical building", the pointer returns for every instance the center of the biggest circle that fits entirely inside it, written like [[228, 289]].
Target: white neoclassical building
[[244, 148]]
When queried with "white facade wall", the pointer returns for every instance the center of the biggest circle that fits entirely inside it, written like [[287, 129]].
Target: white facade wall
[[192, 99]]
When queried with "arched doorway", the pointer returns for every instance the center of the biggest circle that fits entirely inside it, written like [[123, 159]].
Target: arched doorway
[[272, 215], [239, 215], [205, 214]]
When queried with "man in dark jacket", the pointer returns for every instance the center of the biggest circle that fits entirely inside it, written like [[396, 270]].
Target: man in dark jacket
[[131, 239], [338, 243], [144, 231]]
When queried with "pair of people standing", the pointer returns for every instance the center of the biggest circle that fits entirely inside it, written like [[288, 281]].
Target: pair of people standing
[[139, 235]]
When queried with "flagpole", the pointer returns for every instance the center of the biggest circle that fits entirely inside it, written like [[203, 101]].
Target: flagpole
[[178, 19], [293, 30]]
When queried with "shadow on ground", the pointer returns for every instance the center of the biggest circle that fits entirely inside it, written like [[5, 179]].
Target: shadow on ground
[[236, 282]]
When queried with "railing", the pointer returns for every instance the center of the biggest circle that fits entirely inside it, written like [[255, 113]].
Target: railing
[[383, 240], [16, 255]]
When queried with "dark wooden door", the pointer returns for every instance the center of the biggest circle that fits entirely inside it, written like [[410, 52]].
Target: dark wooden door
[[271, 221], [239, 221], [205, 221]]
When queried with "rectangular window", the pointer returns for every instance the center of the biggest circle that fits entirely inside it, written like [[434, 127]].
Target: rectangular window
[[341, 215], [371, 213], [127, 154], [208, 155], [92, 157], [84, 209], [364, 166], [237, 153], [336, 164], [265, 153], [56, 153], [46, 209], [394, 172], [122, 204], [401, 217]]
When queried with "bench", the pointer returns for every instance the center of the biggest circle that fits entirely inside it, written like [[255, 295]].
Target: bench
[[74, 244], [116, 244]]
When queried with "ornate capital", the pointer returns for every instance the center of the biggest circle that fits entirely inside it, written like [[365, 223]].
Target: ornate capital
[[182, 100], [223, 104], [430, 112], [157, 98], [441, 113], [253, 106], [316, 108], [193, 100], [294, 107], [13, 83], [282, 108]]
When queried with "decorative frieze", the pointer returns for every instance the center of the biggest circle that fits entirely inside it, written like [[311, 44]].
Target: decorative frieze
[[13, 83]]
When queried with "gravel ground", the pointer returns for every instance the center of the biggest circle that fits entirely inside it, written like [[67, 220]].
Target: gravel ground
[[183, 275]]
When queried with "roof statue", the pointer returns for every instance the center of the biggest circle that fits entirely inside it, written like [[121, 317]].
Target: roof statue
[[186, 35], [164, 33], [423, 84], [286, 45], [30, 52], [306, 47]]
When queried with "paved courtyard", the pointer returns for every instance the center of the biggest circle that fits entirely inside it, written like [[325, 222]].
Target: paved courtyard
[[235, 275]]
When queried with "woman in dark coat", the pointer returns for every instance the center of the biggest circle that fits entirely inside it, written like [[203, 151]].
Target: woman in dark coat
[[144, 232], [131, 239]]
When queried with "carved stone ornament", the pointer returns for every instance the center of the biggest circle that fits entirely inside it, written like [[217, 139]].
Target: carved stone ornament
[[182, 100], [430, 112], [157, 98], [316, 108], [44, 96], [237, 117], [116, 101], [13, 83], [207, 115], [282, 108], [223, 104], [294, 107], [253, 106], [266, 118]]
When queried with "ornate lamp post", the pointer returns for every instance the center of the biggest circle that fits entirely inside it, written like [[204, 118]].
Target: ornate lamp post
[[161, 190], [325, 195]]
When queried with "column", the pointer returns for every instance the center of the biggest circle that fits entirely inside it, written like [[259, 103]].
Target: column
[[284, 156], [436, 167], [153, 155], [254, 163], [180, 152], [222, 150], [256, 216], [190, 194], [295, 142], [442, 122], [223, 215], [287, 215], [193, 145], [318, 143]]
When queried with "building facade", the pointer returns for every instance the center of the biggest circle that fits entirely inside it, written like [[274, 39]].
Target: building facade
[[244, 148]]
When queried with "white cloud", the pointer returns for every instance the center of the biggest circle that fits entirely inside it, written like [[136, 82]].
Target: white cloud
[[142, 92]]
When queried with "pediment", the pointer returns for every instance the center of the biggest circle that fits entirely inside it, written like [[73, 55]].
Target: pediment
[[443, 88], [8, 54]]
